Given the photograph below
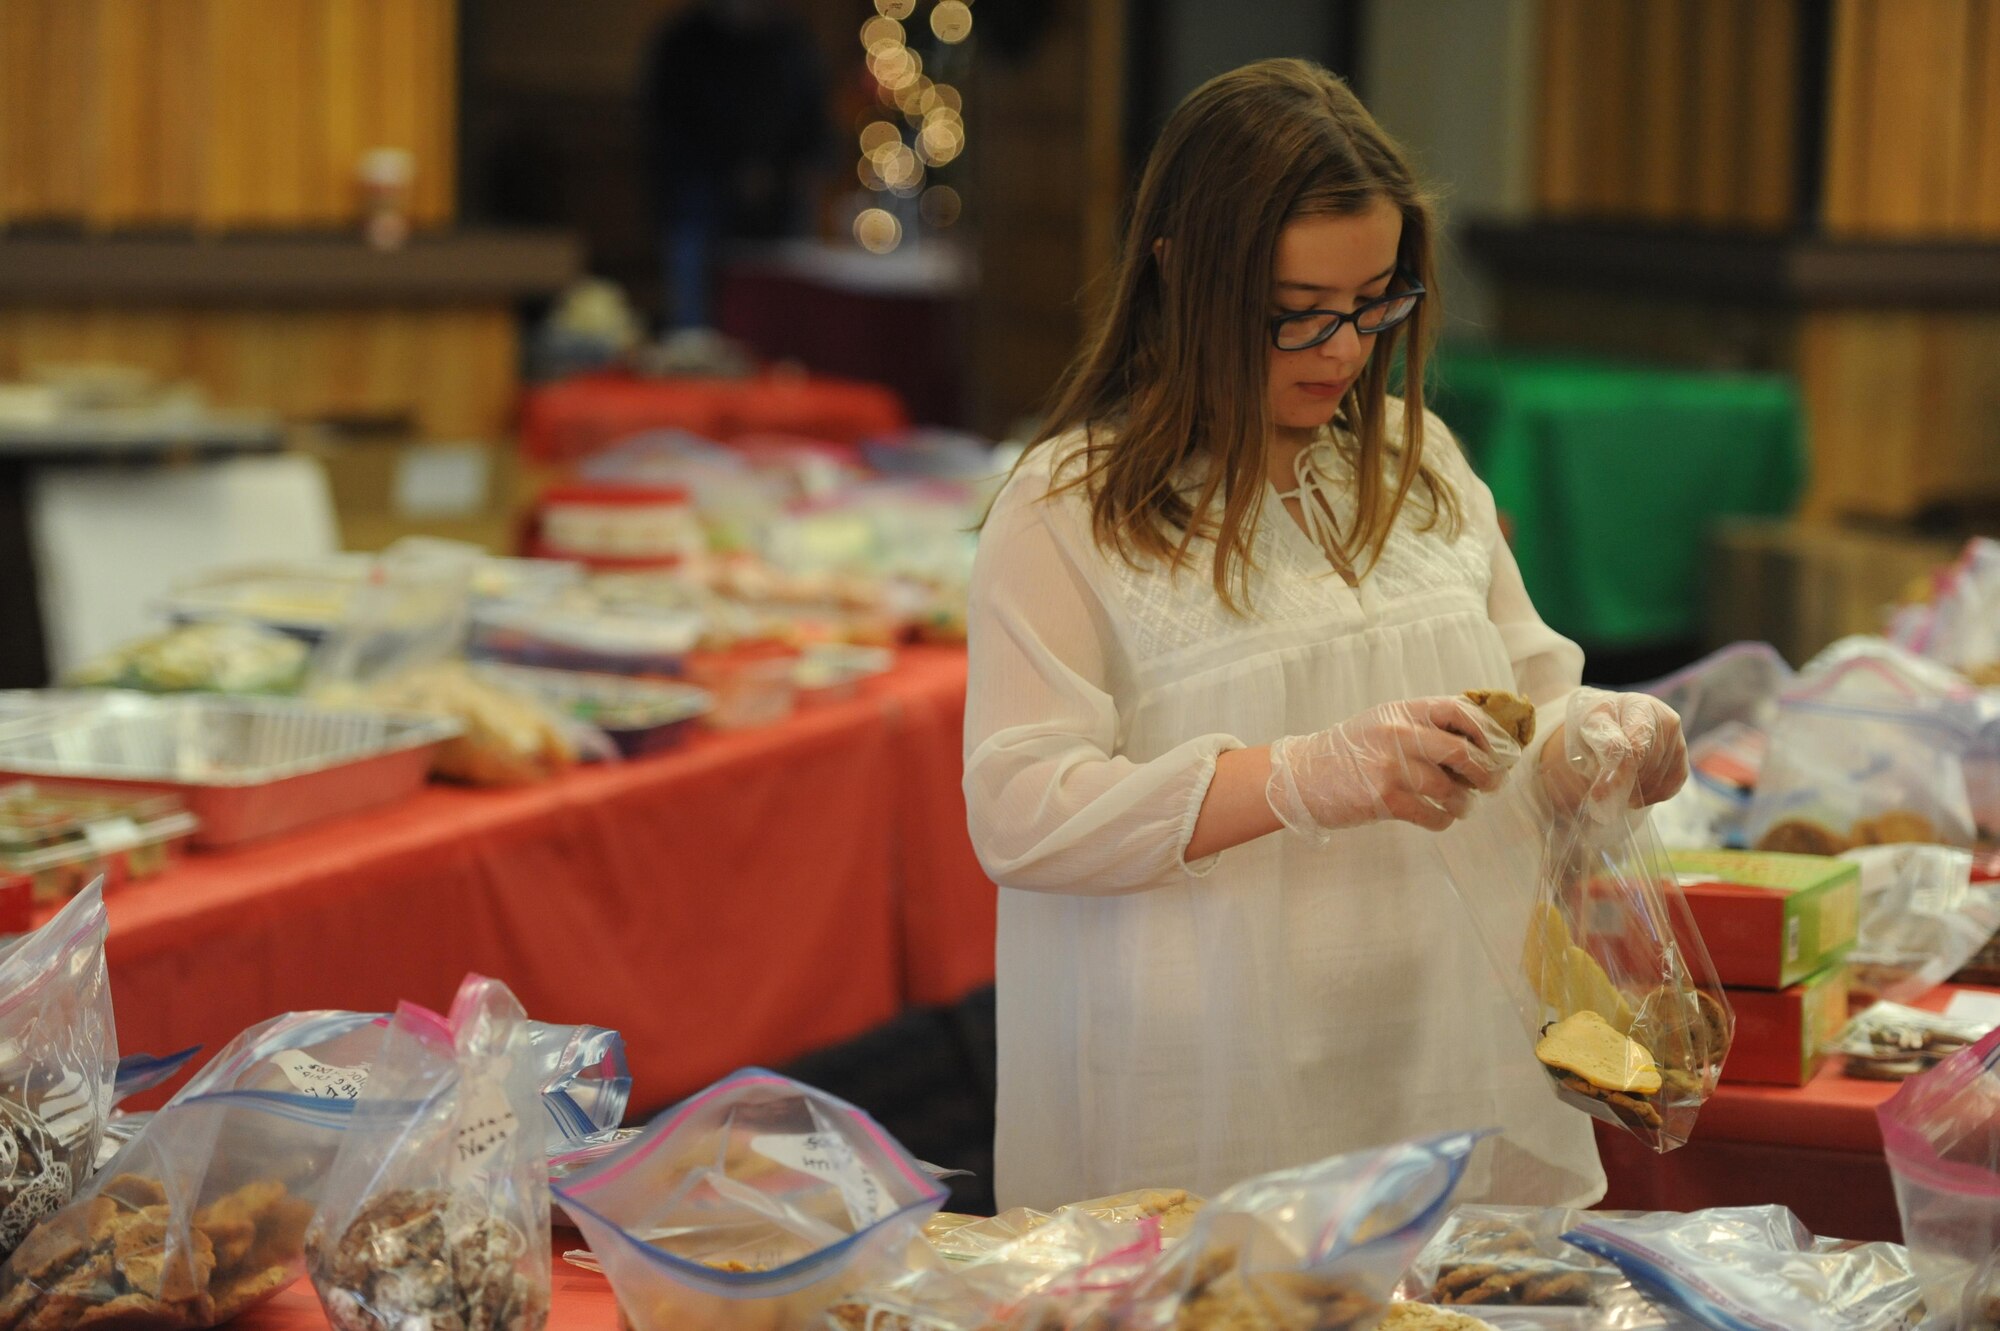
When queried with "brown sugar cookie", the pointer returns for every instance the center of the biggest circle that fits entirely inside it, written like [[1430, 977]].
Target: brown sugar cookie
[[1796, 836], [1510, 711]]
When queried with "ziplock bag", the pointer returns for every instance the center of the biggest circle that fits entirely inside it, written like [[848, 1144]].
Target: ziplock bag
[[1319, 1246], [203, 1214], [1922, 917], [757, 1203], [1961, 625], [1941, 1134], [1890, 1042], [58, 1058], [436, 1209], [584, 1080], [1510, 1267], [1756, 1268], [1739, 683], [1601, 956], [1063, 1272], [1868, 748]]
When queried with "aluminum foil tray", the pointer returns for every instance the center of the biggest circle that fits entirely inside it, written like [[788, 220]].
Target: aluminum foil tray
[[248, 768]]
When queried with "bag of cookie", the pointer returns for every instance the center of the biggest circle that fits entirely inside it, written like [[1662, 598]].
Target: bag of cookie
[[1510, 1266], [1941, 1135], [436, 1208], [1633, 1024], [59, 1064], [1869, 748], [1318, 1246], [758, 1203], [1065, 1271], [203, 1213], [1755, 1267]]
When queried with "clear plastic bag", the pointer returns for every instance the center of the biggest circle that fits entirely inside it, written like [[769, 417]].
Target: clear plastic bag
[[59, 1065], [757, 1203], [1941, 1134], [1869, 748], [1890, 1042], [1601, 956], [1739, 683], [1321, 1246], [1922, 917], [411, 610], [436, 1209], [1511, 1268], [202, 1214], [584, 1081], [1063, 1272], [1756, 1268], [1961, 625]]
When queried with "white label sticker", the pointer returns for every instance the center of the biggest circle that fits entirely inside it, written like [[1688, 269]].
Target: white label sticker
[[108, 836], [322, 1081], [486, 1123], [1794, 939], [1973, 1005], [827, 1156]]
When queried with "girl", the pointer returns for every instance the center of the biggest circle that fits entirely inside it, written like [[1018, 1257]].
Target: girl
[[1221, 618]]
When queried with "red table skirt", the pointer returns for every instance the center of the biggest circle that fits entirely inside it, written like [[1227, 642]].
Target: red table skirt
[[573, 418], [744, 900]]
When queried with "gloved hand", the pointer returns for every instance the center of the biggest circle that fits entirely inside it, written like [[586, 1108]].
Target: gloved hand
[[1416, 762], [1616, 751]]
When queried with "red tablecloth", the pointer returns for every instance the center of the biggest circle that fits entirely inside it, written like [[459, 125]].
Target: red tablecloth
[[1816, 1148], [573, 418], [744, 900]]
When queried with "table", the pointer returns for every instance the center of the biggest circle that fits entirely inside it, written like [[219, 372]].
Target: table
[[567, 421], [1815, 1148], [1613, 475], [752, 897]]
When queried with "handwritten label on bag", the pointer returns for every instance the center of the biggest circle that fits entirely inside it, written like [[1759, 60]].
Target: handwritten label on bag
[[322, 1081], [828, 1156], [486, 1123]]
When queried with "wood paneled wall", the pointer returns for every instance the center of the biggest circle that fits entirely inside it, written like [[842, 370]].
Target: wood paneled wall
[[221, 114]]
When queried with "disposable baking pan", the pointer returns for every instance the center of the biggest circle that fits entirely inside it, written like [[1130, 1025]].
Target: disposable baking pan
[[247, 768]]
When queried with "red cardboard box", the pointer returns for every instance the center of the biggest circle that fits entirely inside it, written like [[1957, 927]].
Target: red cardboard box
[[1770, 920], [1782, 1034]]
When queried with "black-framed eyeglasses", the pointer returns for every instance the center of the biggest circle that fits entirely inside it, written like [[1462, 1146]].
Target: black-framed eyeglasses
[[1304, 329]]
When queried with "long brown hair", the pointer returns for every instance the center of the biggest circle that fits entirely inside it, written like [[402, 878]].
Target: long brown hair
[[1178, 361]]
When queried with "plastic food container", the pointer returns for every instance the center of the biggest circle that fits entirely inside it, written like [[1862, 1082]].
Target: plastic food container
[[830, 672], [624, 526], [246, 768], [593, 642], [641, 716], [306, 599], [749, 690], [61, 838]]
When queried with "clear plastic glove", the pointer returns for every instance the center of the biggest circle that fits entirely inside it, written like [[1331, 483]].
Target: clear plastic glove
[[1619, 751], [1418, 762]]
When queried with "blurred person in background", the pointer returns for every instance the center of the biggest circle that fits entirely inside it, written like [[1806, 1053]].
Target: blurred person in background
[[735, 121]]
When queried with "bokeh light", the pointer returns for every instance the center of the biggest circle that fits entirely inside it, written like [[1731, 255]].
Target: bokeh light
[[940, 205], [877, 230], [952, 21], [880, 32], [877, 135], [895, 8]]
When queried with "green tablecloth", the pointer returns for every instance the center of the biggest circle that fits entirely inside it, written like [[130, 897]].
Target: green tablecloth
[[1612, 476]]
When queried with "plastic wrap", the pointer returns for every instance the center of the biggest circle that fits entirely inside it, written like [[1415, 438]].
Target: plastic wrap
[[1921, 919]]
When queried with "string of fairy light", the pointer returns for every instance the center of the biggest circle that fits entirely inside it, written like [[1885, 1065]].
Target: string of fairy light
[[917, 126]]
